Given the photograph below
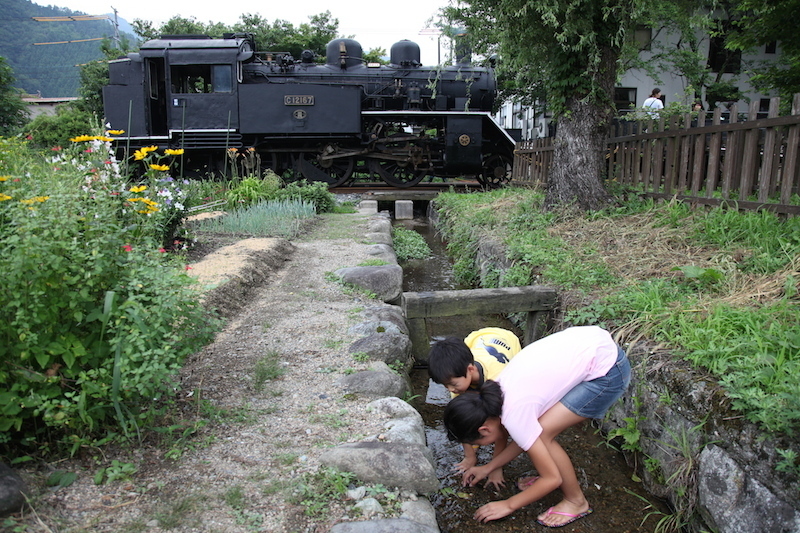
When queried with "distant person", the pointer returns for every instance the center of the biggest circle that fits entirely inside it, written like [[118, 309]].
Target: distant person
[[554, 383], [653, 103], [464, 365]]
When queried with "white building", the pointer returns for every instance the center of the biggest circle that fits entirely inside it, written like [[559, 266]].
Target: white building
[[636, 85]]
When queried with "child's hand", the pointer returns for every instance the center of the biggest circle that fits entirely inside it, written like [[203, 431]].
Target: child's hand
[[472, 476], [496, 479], [466, 464], [493, 511]]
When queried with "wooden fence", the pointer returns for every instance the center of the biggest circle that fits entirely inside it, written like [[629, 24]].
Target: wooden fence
[[706, 160]]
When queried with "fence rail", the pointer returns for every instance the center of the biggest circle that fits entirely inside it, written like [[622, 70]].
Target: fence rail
[[747, 160]]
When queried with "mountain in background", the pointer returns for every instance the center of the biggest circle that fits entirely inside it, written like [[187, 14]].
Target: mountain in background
[[51, 69]]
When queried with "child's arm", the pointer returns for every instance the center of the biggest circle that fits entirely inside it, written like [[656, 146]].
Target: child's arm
[[495, 477], [470, 458]]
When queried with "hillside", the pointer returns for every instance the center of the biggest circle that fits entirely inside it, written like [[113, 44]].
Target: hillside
[[49, 69]]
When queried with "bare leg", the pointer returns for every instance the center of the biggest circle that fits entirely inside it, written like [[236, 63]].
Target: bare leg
[[554, 421]]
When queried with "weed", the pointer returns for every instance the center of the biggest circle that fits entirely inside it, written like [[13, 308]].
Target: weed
[[177, 512], [267, 368], [286, 459], [361, 357], [234, 497], [316, 490], [373, 262], [118, 471]]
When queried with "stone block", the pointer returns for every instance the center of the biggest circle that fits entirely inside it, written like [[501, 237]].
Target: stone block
[[403, 209]]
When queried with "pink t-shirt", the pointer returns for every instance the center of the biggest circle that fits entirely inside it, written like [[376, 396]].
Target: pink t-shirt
[[544, 371]]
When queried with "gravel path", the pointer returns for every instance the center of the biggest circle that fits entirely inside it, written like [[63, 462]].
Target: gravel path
[[241, 471]]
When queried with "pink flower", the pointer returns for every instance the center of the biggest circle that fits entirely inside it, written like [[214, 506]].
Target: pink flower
[[188, 267], [127, 248], [162, 250]]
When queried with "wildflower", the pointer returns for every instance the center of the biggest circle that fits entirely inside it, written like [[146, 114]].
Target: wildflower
[[81, 138], [4, 178], [170, 151], [56, 148], [138, 188], [162, 250], [162, 168], [115, 132], [127, 248], [4, 197], [188, 267]]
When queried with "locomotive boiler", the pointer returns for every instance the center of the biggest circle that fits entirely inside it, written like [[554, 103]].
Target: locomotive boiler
[[327, 122]]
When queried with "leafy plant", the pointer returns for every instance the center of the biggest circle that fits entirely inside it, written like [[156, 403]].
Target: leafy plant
[[315, 192], [93, 322], [408, 244], [118, 471], [252, 190], [317, 489]]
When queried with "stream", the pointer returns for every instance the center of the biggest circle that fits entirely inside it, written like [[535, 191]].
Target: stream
[[620, 503]]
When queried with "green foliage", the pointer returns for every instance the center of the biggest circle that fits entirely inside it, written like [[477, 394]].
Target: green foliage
[[117, 471], [252, 190], [408, 244], [93, 321], [316, 490], [274, 218], [55, 131], [315, 192], [48, 68], [13, 111]]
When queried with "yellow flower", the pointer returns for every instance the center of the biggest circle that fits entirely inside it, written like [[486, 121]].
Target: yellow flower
[[138, 188], [149, 202], [138, 155], [170, 151], [82, 138], [104, 139], [147, 149], [34, 200], [4, 178], [115, 132], [162, 168], [4, 197]]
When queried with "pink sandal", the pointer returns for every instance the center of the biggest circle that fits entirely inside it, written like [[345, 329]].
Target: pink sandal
[[573, 517]]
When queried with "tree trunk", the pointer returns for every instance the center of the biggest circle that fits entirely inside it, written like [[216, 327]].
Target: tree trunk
[[578, 166]]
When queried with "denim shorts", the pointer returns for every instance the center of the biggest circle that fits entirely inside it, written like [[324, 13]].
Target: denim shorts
[[591, 399]]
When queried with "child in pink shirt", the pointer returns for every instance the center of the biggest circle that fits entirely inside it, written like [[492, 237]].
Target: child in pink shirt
[[552, 384]]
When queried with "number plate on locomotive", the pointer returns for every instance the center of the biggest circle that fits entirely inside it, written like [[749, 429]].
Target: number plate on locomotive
[[297, 99]]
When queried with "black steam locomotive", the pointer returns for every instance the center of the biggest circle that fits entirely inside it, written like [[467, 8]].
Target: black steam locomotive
[[327, 122]]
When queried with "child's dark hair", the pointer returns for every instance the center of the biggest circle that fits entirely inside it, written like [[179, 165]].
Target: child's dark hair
[[467, 412], [448, 359]]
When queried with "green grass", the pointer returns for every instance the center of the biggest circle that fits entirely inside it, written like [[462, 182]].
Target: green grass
[[408, 244]]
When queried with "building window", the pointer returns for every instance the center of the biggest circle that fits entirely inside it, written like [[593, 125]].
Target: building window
[[720, 59], [771, 48], [643, 37], [625, 99]]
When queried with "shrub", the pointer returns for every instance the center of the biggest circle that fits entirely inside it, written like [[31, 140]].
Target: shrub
[[49, 131], [315, 192], [252, 190], [95, 318]]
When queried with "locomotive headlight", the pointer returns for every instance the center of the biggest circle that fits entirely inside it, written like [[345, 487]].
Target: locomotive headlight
[[464, 140]]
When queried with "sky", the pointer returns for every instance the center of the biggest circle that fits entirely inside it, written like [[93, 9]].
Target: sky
[[373, 25]]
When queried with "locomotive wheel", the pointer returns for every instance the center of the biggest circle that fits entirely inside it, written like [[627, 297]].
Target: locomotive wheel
[[406, 164], [334, 172], [496, 170], [398, 173]]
